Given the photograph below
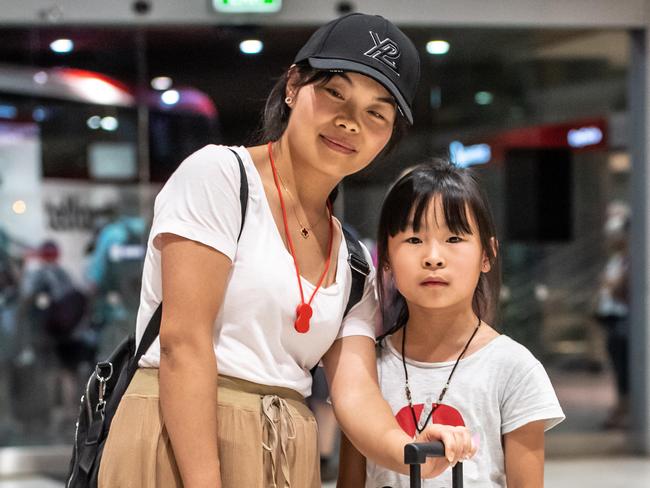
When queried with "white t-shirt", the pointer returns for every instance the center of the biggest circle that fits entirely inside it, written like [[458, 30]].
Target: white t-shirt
[[494, 391], [254, 335]]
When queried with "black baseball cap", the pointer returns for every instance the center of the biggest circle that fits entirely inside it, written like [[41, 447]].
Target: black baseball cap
[[372, 46]]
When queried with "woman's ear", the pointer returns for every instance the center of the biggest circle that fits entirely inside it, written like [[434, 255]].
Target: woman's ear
[[291, 90]]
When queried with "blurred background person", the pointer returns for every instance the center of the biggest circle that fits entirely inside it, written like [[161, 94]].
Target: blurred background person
[[613, 307], [50, 350], [8, 303], [114, 272]]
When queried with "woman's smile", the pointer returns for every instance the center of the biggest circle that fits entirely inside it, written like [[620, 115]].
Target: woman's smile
[[338, 145]]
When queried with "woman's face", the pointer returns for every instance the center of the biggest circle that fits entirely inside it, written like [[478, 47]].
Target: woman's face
[[340, 126]]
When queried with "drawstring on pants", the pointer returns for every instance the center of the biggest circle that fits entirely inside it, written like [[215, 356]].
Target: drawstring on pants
[[278, 427]]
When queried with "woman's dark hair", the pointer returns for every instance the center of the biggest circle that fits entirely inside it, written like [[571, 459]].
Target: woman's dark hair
[[407, 202], [276, 112]]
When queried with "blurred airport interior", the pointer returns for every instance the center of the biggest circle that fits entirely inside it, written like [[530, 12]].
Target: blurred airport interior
[[99, 103]]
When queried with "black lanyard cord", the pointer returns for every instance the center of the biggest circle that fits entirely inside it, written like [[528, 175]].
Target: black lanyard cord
[[407, 390]]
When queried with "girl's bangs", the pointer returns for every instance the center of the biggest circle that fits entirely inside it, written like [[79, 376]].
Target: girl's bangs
[[411, 202]]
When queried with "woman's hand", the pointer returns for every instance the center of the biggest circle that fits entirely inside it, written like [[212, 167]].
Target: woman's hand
[[458, 447]]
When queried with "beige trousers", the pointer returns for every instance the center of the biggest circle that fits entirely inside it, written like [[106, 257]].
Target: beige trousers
[[267, 438]]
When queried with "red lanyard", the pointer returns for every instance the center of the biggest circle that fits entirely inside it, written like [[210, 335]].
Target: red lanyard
[[304, 310]]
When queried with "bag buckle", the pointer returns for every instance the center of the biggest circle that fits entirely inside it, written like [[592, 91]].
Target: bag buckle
[[103, 373], [359, 265]]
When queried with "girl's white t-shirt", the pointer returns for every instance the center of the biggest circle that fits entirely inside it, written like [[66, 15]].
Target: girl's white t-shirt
[[494, 391], [254, 336]]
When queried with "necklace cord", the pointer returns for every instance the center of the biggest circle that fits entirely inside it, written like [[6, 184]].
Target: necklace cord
[[290, 241], [295, 213], [407, 389]]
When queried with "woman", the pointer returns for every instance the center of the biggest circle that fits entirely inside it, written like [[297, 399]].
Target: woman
[[245, 319]]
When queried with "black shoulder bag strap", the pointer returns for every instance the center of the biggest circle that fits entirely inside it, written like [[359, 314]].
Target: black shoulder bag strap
[[360, 270], [153, 328], [359, 267]]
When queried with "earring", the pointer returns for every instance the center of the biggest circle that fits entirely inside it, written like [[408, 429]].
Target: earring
[[288, 101], [386, 267]]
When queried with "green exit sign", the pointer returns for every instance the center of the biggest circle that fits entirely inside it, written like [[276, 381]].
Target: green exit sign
[[247, 6]]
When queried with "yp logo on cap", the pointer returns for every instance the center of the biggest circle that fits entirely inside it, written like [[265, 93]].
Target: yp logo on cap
[[386, 51]]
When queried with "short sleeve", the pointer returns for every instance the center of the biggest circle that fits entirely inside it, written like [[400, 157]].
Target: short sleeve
[[528, 398], [363, 318], [200, 201]]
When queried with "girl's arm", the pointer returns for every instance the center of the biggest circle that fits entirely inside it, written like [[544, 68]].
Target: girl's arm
[[193, 282], [352, 466], [524, 456], [367, 419]]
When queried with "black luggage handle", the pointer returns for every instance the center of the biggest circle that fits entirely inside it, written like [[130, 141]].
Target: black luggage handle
[[417, 453]]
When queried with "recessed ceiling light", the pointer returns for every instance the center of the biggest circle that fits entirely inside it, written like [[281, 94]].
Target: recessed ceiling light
[[94, 122], [251, 46], [437, 47], [161, 83], [62, 46], [39, 114], [109, 123], [19, 207], [483, 98], [170, 97], [40, 77]]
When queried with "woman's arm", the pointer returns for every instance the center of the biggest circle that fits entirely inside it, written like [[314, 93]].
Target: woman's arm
[[367, 419], [352, 466], [524, 456], [193, 282]]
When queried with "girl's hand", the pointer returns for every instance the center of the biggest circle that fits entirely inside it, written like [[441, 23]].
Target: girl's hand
[[458, 447]]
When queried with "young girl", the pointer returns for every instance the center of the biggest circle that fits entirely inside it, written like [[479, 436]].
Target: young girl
[[218, 400], [442, 363]]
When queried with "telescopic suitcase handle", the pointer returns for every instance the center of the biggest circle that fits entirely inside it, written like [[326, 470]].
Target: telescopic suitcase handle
[[416, 454]]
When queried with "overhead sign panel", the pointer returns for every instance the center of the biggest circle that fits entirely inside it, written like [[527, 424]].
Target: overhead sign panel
[[247, 6]]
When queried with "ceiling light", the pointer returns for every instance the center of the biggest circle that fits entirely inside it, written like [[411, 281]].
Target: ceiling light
[[62, 46], [94, 122], [437, 47], [109, 123], [40, 77], [251, 46], [170, 97], [39, 114], [483, 98], [161, 83], [19, 207]]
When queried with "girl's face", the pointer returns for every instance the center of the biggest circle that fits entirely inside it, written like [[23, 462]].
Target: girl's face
[[342, 125], [435, 268]]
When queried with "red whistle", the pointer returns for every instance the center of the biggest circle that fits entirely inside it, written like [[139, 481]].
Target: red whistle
[[303, 315]]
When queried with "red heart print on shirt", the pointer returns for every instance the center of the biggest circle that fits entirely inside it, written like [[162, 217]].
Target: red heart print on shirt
[[444, 414]]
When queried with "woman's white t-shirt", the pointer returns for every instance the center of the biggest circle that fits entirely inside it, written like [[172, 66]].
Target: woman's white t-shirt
[[254, 337]]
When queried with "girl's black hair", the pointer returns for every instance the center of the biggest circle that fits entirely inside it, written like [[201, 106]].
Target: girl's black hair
[[275, 116], [407, 202]]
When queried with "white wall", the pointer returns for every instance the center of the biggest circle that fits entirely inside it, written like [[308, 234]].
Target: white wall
[[586, 13]]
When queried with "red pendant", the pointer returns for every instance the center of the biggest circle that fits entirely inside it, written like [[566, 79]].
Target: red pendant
[[303, 314]]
